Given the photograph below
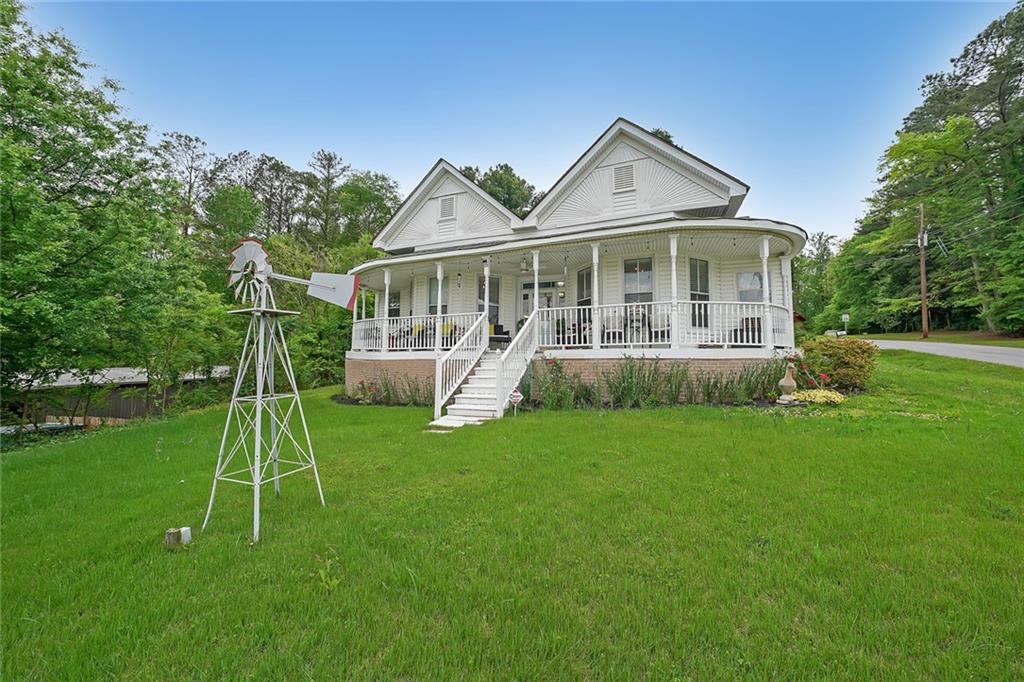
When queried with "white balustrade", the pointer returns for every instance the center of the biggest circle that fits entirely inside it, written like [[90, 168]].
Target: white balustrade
[[653, 325], [452, 368], [623, 325], [513, 363], [416, 332]]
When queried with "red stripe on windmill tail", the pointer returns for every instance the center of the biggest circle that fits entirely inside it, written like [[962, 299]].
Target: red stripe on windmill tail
[[337, 289]]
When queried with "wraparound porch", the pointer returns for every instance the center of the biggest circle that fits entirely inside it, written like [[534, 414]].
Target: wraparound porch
[[482, 315]]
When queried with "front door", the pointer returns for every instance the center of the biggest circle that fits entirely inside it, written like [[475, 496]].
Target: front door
[[546, 300]]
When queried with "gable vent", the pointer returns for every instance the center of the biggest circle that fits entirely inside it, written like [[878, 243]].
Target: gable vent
[[447, 208], [622, 178]]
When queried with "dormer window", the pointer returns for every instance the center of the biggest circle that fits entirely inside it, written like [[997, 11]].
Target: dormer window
[[447, 209], [623, 179]]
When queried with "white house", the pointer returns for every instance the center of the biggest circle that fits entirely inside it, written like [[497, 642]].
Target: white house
[[637, 250]]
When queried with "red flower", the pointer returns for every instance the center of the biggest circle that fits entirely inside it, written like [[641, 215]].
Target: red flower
[[824, 377], [813, 382], [551, 362]]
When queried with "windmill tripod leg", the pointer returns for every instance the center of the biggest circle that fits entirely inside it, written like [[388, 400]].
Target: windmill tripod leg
[[243, 365], [290, 374], [275, 451]]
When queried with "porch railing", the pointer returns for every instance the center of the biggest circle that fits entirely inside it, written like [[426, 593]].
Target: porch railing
[[453, 367], [417, 332], [512, 364], [663, 324]]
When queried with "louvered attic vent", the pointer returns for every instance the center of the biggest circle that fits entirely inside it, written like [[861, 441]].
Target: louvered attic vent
[[622, 178], [447, 208]]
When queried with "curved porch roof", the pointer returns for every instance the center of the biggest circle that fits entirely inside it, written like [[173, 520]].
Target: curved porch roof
[[724, 237]]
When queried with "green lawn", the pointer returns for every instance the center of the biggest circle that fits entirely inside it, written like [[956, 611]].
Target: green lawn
[[882, 539], [972, 338]]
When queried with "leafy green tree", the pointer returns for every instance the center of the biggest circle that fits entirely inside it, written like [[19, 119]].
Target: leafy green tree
[[662, 134], [811, 284], [367, 202], [959, 156], [231, 213], [321, 209], [186, 164], [502, 183], [89, 232]]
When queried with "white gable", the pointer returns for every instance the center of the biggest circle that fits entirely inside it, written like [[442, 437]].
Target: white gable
[[627, 179], [445, 208]]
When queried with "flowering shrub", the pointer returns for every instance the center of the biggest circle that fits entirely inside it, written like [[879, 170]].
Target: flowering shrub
[[820, 396], [841, 363]]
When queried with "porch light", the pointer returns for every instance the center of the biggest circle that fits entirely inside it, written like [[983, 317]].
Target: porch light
[[560, 283], [458, 280], [522, 266]]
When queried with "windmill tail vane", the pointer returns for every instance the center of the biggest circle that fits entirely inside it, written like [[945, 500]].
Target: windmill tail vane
[[265, 436]]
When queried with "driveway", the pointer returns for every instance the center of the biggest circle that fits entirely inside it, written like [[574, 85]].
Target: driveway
[[996, 354]]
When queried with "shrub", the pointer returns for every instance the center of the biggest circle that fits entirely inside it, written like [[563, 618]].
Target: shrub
[[843, 363], [634, 384], [819, 396], [555, 389], [410, 391]]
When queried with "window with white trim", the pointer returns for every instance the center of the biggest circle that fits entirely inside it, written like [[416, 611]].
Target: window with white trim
[[623, 179], [700, 290], [585, 286], [638, 280], [749, 287]]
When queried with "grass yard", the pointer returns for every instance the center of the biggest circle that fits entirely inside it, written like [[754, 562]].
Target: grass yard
[[881, 539], [971, 338]]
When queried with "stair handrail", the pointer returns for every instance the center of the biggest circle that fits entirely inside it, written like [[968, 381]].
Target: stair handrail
[[513, 363], [452, 368]]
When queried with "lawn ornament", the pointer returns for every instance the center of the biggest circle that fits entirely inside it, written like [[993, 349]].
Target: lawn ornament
[[787, 385], [259, 422]]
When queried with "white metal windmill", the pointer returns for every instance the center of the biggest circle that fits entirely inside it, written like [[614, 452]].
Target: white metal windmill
[[261, 411]]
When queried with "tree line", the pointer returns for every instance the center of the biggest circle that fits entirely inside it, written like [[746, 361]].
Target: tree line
[[115, 246], [959, 158]]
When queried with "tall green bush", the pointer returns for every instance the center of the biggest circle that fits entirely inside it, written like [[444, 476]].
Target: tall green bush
[[842, 363]]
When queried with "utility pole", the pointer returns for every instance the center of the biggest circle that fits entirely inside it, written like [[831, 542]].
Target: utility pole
[[922, 241]]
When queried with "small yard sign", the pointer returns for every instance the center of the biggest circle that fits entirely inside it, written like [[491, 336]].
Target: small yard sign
[[515, 397]]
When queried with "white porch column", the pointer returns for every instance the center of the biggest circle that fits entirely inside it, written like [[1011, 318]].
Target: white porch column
[[536, 280], [363, 294], [440, 300], [386, 335], [673, 250], [766, 324], [786, 268], [487, 292], [595, 313], [355, 309]]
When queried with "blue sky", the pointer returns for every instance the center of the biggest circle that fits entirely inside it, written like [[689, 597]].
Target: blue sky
[[798, 100]]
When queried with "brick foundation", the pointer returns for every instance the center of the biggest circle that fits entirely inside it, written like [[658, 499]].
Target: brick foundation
[[398, 370]]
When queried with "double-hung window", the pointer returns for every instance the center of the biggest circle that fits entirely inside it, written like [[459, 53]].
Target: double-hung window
[[750, 287], [585, 287], [700, 290], [638, 280]]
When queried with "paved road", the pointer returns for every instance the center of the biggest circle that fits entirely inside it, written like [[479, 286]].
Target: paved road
[[996, 354]]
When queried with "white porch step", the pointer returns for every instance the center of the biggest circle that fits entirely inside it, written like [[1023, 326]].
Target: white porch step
[[450, 421], [475, 400], [479, 411], [478, 390]]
